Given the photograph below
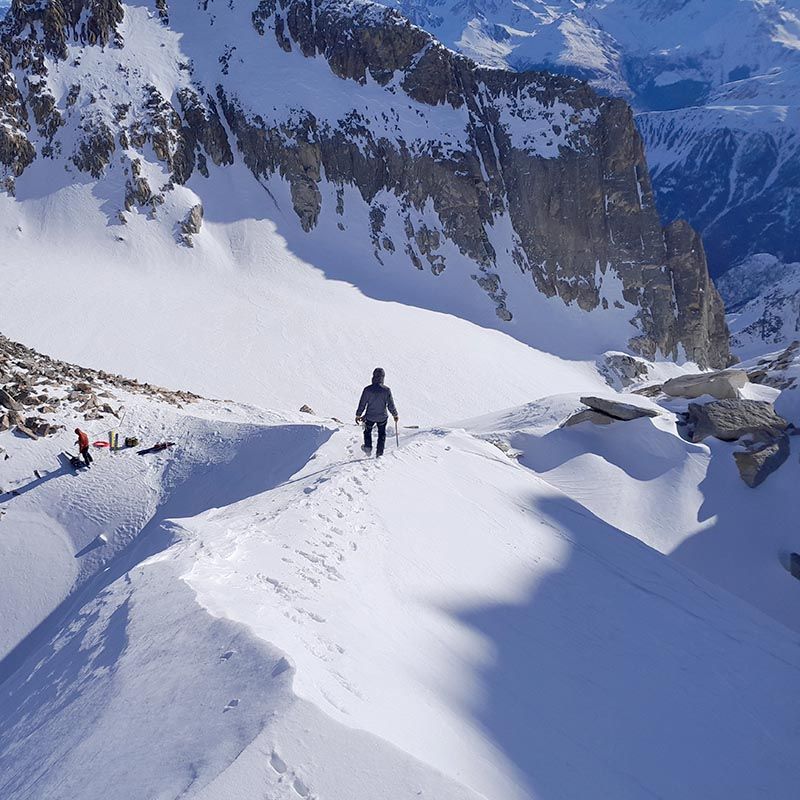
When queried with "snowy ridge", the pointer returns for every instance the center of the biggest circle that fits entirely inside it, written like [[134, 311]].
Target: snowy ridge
[[444, 622]]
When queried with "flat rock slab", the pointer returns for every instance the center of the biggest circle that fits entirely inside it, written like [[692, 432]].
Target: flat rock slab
[[757, 464], [588, 415], [616, 409], [730, 420], [723, 385]]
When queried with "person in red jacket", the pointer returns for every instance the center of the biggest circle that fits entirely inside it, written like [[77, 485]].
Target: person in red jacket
[[83, 446]]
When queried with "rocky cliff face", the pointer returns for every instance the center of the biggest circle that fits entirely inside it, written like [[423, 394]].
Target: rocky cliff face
[[491, 173], [716, 83]]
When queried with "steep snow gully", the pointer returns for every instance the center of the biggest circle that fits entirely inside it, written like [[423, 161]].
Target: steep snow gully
[[289, 619]]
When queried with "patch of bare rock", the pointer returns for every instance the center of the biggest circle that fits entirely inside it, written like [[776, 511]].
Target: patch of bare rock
[[33, 387]]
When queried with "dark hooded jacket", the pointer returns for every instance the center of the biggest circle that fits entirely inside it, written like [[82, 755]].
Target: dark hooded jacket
[[375, 399]]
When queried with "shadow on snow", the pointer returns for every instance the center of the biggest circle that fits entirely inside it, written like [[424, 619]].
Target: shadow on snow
[[621, 676], [260, 463]]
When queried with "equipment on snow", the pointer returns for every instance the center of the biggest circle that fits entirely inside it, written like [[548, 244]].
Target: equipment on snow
[[100, 444], [156, 448], [131, 441], [74, 461], [113, 440]]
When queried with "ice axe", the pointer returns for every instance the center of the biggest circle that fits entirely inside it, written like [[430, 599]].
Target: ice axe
[[396, 434]]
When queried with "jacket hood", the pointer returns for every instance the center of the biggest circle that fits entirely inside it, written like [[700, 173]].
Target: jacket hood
[[377, 376]]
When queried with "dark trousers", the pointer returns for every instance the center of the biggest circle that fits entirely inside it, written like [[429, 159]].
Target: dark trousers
[[381, 435], [87, 456]]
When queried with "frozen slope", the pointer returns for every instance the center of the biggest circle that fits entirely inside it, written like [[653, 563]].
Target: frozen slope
[[241, 315], [442, 623]]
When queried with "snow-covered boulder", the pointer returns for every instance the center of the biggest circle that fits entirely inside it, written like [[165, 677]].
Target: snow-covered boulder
[[603, 411], [730, 420], [724, 385]]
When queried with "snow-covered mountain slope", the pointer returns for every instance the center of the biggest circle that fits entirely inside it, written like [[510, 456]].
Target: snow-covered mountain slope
[[743, 144], [443, 623], [751, 277], [763, 297], [269, 137], [716, 82], [769, 320], [241, 316]]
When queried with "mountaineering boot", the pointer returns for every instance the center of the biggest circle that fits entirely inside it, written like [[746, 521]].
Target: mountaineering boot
[[367, 450]]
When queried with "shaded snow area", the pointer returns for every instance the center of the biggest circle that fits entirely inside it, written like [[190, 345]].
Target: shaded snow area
[[261, 611]]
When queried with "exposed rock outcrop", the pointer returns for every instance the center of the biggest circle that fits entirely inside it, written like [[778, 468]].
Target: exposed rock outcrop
[[29, 380], [622, 370], [758, 462], [192, 224], [774, 371]]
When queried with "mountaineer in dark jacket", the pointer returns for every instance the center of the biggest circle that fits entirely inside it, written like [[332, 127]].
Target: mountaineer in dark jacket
[[372, 407]]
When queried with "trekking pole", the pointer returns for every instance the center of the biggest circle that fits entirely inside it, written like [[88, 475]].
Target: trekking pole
[[396, 434]]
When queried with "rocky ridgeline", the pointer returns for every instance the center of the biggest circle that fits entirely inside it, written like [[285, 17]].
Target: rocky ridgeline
[[561, 169], [774, 371], [35, 390]]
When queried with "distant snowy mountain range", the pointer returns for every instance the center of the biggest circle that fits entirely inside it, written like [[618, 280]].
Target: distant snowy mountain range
[[715, 84], [764, 297]]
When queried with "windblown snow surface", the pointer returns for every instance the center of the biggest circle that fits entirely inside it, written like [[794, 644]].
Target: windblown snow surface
[[270, 614]]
